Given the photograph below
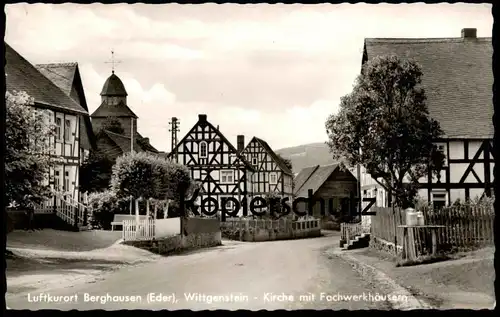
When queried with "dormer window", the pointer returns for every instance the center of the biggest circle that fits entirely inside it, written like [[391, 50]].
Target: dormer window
[[203, 153], [273, 178]]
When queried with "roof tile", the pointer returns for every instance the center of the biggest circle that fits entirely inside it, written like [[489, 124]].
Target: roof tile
[[457, 78], [21, 75], [316, 179]]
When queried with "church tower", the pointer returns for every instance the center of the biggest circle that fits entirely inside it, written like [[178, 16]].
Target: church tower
[[114, 104]]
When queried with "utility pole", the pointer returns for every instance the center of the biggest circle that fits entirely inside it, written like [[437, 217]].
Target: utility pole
[[174, 129]]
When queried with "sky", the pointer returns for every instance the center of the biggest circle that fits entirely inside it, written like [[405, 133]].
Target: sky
[[272, 71]]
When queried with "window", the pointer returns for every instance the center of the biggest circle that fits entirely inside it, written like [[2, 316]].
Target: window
[[227, 177], [203, 150], [66, 181], [58, 128], [254, 161], [229, 204], [57, 180], [67, 130], [439, 199], [273, 178], [442, 149]]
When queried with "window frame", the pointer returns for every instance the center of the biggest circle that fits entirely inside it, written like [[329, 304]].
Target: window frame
[[59, 128], [271, 177], [203, 144], [230, 172], [231, 203], [57, 179], [443, 148], [67, 130], [66, 181], [443, 200]]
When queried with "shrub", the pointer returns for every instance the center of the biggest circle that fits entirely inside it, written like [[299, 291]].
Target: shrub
[[104, 206]]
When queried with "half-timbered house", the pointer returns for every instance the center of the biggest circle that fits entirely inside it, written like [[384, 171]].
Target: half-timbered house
[[67, 77], [215, 164], [68, 115], [271, 174], [457, 79]]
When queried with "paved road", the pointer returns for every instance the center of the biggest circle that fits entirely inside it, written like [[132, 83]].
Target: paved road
[[248, 274]]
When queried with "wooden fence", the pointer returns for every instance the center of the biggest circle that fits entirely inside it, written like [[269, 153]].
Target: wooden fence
[[465, 227], [384, 224]]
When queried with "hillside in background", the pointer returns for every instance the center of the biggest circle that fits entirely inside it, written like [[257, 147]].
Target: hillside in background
[[307, 155]]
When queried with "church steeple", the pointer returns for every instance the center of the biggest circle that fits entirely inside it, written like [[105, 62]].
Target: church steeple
[[114, 104]]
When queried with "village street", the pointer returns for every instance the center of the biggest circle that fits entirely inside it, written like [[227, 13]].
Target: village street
[[293, 267]]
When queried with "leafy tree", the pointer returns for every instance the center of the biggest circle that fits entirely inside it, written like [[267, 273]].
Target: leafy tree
[[384, 125], [286, 161], [95, 172], [28, 154], [112, 124], [143, 175], [135, 174]]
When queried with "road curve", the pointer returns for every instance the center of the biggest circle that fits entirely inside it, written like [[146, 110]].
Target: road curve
[[238, 275]]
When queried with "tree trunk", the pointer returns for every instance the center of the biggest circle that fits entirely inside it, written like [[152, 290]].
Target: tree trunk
[[165, 213], [137, 215]]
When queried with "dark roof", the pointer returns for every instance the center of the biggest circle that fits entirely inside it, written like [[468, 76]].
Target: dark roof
[[61, 74], [65, 76], [145, 143], [111, 110], [113, 87], [457, 78], [123, 142], [203, 120], [303, 176], [275, 157], [21, 75], [316, 179]]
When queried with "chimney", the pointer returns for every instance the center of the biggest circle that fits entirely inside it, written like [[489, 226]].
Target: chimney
[[240, 145], [146, 140], [469, 33], [202, 118]]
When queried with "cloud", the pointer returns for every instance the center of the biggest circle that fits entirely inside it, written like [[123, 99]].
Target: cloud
[[272, 71]]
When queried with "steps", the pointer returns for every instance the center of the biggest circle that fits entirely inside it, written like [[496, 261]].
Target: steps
[[67, 214], [360, 241]]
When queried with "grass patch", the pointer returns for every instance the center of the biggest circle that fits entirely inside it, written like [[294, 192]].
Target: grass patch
[[427, 259]]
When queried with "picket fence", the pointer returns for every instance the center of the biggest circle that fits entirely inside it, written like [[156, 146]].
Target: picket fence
[[149, 229], [465, 227]]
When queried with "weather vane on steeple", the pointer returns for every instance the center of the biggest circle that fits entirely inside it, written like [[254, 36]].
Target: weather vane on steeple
[[113, 62]]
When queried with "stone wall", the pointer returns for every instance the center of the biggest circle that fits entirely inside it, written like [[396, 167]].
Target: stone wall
[[384, 246], [266, 230]]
